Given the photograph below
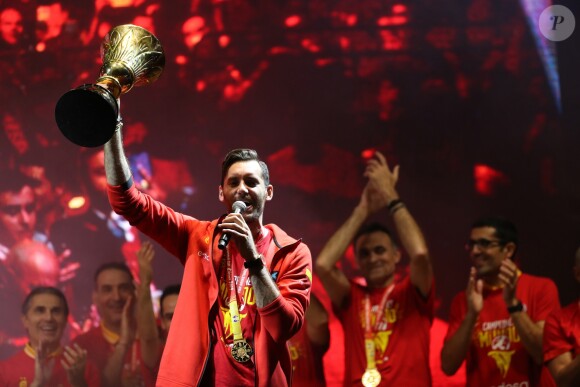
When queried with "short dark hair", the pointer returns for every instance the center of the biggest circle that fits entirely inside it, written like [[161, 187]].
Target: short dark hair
[[243, 154], [12, 180], [112, 266], [167, 291], [44, 290], [505, 230], [370, 228]]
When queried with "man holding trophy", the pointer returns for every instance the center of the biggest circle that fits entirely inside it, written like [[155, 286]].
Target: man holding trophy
[[239, 302]]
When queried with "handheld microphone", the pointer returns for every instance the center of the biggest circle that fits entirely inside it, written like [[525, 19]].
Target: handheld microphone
[[237, 207]]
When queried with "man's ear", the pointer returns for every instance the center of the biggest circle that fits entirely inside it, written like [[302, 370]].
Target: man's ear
[[510, 249], [397, 256], [220, 194], [269, 192]]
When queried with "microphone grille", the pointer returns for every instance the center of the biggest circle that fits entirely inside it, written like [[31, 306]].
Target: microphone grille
[[239, 206]]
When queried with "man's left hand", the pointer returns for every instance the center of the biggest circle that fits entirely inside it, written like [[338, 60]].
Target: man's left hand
[[74, 362], [508, 275]]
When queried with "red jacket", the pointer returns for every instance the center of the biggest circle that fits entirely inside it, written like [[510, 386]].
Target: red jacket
[[194, 242]]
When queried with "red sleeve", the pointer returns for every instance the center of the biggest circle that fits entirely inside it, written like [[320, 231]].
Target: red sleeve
[[456, 314], [154, 219], [554, 340], [546, 300], [283, 317], [425, 304]]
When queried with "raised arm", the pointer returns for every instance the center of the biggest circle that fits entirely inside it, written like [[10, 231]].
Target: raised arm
[[113, 368], [456, 347], [383, 180], [151, 346], [333, 279], [530, 332], [116, 164]]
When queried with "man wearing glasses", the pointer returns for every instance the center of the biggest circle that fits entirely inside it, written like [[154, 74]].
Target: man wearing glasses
[[496, 324]]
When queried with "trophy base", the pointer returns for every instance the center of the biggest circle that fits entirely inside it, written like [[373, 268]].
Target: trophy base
[[87, 115]]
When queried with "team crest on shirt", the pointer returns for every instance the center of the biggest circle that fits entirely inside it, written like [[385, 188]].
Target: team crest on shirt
[[500, 337]]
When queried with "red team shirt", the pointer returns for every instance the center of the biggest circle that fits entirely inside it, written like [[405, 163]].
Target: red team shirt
[[18, 371], [100, 344], [239, 374], [402, 342], [496, 355], [562, 332]]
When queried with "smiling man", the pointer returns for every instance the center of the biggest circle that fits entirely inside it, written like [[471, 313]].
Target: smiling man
[[112, 346], [386, 321], [496, 324], [238, 306], [44, 362]]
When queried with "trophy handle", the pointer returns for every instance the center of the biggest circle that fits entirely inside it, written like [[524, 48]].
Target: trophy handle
[[87, 115]]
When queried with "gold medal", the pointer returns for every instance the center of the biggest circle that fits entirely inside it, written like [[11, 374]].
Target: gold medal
[[242, 351], [371, 378]]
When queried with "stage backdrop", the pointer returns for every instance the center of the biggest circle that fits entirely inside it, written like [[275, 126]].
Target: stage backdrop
[[479, 111]]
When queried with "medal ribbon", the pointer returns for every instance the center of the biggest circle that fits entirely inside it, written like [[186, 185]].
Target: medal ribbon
[[369, 330], [234, 310]]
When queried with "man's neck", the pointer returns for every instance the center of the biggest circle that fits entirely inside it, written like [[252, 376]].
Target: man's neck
[[257, 230], [114, 328], [49, 348], [492, 281], [380, 284]]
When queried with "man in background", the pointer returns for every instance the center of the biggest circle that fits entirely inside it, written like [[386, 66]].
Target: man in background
[[496, 324], [562, 340], [44, 361], [386, 321]]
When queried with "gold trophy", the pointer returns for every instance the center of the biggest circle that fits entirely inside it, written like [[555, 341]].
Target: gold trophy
[[132, 56]]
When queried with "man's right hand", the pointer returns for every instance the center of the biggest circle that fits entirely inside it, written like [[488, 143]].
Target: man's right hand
[[42, 366], [380, 188], [128, 322], [474, 293], [74, 363], [145, 257]]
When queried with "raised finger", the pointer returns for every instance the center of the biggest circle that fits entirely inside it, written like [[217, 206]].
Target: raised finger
[[507, 271], [382, 159], [65, 365], [505, 279], [69, 356], [471, 280], [396, 173], [81, 352]]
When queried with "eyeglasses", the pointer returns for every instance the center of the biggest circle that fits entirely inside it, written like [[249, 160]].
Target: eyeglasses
[[14, 209], [481, 244]]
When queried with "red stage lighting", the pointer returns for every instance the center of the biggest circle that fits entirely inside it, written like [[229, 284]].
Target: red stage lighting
[[292, 21], [487, 179]]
